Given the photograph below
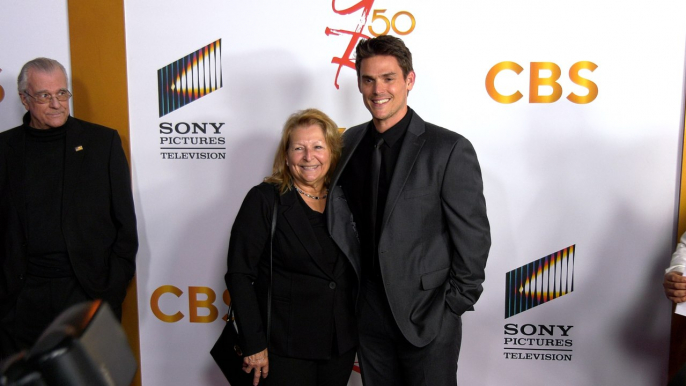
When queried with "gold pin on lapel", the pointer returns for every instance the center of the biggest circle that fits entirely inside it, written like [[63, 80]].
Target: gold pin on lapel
[[78, 148]]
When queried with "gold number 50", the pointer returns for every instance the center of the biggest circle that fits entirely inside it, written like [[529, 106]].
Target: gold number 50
[[391, 23]]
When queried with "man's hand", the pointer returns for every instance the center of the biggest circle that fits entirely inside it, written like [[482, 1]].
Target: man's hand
[[675, 286], [260, 364]]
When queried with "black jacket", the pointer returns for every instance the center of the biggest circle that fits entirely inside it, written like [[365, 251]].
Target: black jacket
[[307, 298], [435, 234], [98, 217]]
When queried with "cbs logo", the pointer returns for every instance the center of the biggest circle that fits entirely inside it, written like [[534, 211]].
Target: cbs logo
[[536, 80], [199, 298]]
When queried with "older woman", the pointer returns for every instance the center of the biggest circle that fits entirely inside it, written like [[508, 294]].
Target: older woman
[[313, 335]]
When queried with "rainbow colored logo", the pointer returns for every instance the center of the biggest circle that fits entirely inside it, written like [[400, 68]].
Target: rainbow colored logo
[[190, 78], [539, 282]]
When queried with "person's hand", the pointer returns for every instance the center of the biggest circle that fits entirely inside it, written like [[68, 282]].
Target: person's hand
[[675, 286], [259, 363]]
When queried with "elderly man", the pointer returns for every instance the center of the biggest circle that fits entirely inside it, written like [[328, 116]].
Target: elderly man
[[67, 222]]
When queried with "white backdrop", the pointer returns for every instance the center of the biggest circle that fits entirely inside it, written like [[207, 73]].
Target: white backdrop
[[28, 30], [601, 176]]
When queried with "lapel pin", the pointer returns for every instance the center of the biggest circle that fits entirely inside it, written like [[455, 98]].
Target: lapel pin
[[78, 148]]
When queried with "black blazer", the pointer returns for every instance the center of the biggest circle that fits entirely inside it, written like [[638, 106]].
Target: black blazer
[[98, 217], [307, 298], [435, 233]]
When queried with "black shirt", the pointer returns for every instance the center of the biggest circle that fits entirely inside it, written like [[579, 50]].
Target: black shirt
[[356, 183], [44, 175], [337, 265]]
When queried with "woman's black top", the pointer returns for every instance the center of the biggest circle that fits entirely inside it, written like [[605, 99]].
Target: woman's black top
[[313, 283]]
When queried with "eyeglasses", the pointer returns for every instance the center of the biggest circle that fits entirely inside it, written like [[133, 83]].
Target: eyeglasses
[[44, 97]]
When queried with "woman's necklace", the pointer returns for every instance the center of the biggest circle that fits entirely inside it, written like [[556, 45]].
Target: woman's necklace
[[311, 196]]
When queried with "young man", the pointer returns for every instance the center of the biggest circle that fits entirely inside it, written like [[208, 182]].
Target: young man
[[415, 191]]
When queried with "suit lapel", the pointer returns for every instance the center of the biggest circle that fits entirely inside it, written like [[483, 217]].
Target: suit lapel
[[297, 219], [342, 229], [411, 146], [351, 140], [75, 150], [16, 170]]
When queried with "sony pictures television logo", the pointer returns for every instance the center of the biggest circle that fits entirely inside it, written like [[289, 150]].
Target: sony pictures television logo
[[179, 83], [533, 285], [539, 282], [190, 78]]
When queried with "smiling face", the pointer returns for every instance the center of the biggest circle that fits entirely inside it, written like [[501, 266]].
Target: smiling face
[[309, 157], [53, 113], [384, 90]]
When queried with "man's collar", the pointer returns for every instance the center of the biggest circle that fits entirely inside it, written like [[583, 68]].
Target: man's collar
[[26, 121], [397, 131]]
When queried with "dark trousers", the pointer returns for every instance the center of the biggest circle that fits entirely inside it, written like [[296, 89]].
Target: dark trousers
[[285, 371], [387, 358], [39, 302]]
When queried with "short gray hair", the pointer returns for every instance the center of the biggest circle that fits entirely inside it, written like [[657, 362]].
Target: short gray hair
[[39, 64]]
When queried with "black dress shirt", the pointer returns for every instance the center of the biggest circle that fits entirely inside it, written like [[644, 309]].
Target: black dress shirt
[[44, 171], [356, 183]]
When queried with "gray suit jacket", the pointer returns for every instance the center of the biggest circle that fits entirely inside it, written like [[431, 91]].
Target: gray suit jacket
[[435, 233]]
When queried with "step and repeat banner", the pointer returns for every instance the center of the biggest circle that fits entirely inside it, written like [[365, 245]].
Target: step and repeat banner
[[28, 30], [575, 109]]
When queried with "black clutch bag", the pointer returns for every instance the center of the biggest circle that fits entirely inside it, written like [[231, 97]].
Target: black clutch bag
[[228, 355], [227, 350]]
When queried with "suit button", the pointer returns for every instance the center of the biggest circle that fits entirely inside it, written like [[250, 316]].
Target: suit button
[[21, 277], [332, 285]]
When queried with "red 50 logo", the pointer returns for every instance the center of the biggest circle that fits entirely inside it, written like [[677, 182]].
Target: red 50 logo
[[536, 80], [402, 23]]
